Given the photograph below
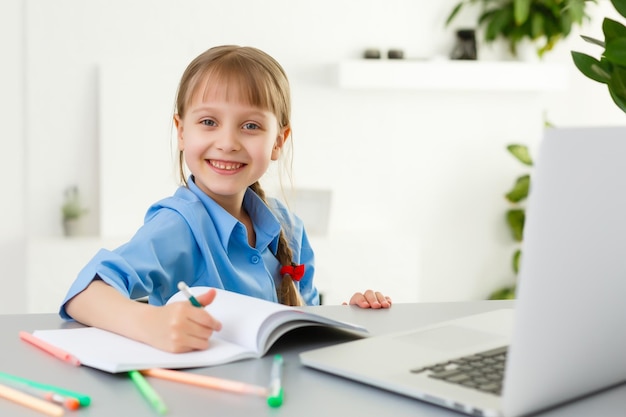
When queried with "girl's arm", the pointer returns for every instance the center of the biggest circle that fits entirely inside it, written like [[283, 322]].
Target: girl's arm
[[370, 299], [176, 327]]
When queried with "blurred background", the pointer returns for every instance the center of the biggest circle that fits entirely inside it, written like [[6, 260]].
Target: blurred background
[[399, 169]]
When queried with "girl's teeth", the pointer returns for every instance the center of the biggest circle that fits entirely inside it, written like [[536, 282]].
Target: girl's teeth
[[221, 165]]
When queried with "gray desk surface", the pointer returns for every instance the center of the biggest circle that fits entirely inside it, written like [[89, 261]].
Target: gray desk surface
[[307, 392]]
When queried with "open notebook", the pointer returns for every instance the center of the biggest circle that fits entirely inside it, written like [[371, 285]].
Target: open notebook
[[566, 337], [250, 326]]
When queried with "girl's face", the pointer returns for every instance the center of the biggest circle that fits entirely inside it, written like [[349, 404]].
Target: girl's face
[[227, 145]]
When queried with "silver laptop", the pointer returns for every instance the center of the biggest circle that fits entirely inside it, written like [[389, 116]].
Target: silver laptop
[[566, 336]]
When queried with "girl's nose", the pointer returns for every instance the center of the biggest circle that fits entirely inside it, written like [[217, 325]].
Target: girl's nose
[[228, 140]]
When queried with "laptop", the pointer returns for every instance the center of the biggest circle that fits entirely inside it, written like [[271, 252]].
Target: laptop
[[566, 336]]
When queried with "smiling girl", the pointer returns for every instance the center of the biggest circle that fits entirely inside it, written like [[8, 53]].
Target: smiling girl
[[232, 119]]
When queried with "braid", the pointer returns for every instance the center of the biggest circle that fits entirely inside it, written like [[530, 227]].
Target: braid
[[287, 292]]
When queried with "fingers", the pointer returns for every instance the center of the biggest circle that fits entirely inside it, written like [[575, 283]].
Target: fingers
[[207, 298], [370, 299], [201, 317], [190, 327]]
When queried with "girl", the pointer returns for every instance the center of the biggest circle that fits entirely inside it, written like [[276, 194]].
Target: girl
[[232, 119]]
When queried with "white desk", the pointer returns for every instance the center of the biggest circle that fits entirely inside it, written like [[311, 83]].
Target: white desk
[[307, 392]]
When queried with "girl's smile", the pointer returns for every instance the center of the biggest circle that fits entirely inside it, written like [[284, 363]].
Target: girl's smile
[[225, 166]]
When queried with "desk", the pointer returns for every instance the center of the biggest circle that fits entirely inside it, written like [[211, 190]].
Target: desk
[[307, 392]]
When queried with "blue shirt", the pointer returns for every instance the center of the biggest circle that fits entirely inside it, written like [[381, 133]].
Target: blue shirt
[[189, 237]]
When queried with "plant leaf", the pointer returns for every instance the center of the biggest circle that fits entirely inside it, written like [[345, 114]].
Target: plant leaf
[[536, 26], [621, 103], [505, 293], [515, 260], [620, 6], [593, 41], [515, 218], [520, 189], [612, 29], [590, 67], [617, 87], [616, 51], [453, 13], [521, 153], [500, 19], [521, 10]]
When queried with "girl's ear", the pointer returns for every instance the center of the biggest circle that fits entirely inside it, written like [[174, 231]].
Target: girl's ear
[[179, 132], [282, 137]]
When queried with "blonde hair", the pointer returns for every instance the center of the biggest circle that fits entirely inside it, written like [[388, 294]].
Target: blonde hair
[[258, 80]]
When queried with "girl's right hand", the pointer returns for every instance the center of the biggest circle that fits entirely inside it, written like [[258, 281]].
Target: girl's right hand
[[181, 327]]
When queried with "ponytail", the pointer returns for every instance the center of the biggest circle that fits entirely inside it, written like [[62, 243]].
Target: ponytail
[[287, 292]]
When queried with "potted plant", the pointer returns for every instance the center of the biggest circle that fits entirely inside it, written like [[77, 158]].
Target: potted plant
[[71, 210], [610, 69], [542, 22]]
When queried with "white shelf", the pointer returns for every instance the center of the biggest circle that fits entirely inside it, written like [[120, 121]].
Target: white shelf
[[452, 75]]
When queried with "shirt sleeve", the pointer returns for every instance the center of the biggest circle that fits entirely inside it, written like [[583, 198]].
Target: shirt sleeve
[[162, 252]]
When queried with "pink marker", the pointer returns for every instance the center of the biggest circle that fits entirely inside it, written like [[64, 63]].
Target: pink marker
[[47, 347]]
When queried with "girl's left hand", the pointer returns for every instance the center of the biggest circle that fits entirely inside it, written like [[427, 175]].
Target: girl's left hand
[[370, 299]]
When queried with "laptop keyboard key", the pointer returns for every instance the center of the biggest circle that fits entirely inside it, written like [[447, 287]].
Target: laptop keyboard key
[[483, 371]]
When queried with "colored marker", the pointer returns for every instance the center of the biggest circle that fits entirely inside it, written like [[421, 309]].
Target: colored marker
[[47, 347], [83, 399], [29, 401], [207, 381], [275, 397], [68, 402], [148, 392], [185, 290]]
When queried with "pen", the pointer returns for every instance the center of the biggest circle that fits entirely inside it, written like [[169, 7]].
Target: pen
[[47, 347], [29, 401], [83, 399], [68, 402], [185, 290], [148, 392], [207, 381], [275, 397]]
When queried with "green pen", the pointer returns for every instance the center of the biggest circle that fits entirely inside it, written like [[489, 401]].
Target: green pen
[[275, 396], [185, 290], [83, 399], [148, 392]]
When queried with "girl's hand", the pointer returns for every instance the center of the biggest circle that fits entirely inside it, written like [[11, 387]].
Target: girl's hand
[[181, 327], [370, 299]]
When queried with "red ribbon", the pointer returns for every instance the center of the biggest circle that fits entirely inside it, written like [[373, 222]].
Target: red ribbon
[[296, 272]]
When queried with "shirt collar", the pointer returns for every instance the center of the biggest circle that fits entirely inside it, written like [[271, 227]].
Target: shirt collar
[[266, 225]]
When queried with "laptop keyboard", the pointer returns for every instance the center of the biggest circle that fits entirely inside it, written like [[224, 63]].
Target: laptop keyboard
[[483, 371]]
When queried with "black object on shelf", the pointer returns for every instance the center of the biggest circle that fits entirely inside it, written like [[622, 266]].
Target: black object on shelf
[[465, 47], [371, 53], [395, 54]]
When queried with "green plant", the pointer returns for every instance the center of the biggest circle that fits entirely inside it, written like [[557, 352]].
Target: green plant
[[72, 208], [544, 22], [611, 68], [516, 215]]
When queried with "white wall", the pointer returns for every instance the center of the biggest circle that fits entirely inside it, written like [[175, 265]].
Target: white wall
[[12, 159], [422, 171]]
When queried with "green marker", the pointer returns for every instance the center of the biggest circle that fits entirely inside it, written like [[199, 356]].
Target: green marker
[[275, 396], [148, 392], [83, 399]]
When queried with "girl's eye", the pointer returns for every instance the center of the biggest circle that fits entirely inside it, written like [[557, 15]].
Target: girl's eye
[[208, 122], [251, 126]]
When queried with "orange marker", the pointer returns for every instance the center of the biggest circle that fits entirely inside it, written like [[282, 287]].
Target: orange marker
[[47, 347], [29, 401], [68, 402], [206, 381]]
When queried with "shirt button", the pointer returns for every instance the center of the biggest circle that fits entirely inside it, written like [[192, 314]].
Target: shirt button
[[254, 259]]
